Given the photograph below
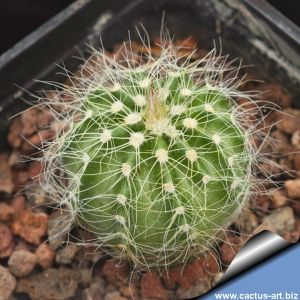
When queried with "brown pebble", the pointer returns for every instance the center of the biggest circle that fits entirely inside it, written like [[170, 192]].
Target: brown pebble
[[6, 212], [281, 141], [186, 276], [6, 183], [129, 291], [31, 226], [296, 161], [262, 203], [200, 286], [275, 93], [116, 272], [6, 241], [95, 291], [229, 249], [88, 294], [21, 263], [57, 228], [151, 287], [34, 142], [14, 137], [114, 296], [212, 264], [7, 283], [289, 122], [37, 195], [45, 256], [67, 254], [29, 121], [281, 220], [22, 245], [18, 204], [295, 139], [279, 198], [292, 188], [50, 284], [247, 222], [34, 169]]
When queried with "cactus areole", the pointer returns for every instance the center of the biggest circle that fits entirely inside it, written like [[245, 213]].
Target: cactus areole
[[156, 158]]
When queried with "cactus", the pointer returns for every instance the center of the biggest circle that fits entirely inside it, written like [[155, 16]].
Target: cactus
[[154, 158]]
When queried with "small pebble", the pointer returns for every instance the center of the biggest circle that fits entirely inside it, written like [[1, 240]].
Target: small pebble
[[201, 286], [116, 272], [37, 195], [292, 188], [31, 226], [247, 222], [85, 278], [50, 284], [18, 204], [7, 283], [279, 198], [128, 291], [295, 139], [229, 249], [6, 212], [21, 263], [151, 287], [67, 254], [114, 296], [95, 291], [57, 228], [281, 220], [6, 241], [45, 256], [6, 183], [290, 121]]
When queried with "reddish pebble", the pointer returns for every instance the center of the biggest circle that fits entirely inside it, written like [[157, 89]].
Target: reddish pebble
[[18, 204], [6, 183], [211, 264], [7, 284], [6, 241], [293, 188], [116, 272], [279, 198], [151, 287], [35, 168], [21, 263], [45, 256], [230, 248], [6, 212], [31, 226], [186, 276]]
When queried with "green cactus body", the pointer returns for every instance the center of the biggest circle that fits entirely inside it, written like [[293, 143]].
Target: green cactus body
[[157, 164]]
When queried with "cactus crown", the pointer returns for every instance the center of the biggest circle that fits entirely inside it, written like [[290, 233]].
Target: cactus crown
[[154, 158]]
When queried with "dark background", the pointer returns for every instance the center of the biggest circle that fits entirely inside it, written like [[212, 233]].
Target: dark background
[[20, 17]]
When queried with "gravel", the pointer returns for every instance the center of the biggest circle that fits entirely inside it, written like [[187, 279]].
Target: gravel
[[21, 262], [33, 236], [7, 283]]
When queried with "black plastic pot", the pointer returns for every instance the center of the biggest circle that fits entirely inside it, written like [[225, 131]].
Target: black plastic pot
[[250, 29]]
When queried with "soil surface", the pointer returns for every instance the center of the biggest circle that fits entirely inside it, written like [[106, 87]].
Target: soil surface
[[37, 262]]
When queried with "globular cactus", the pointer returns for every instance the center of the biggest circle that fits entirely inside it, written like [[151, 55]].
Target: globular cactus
[[154, 158]]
